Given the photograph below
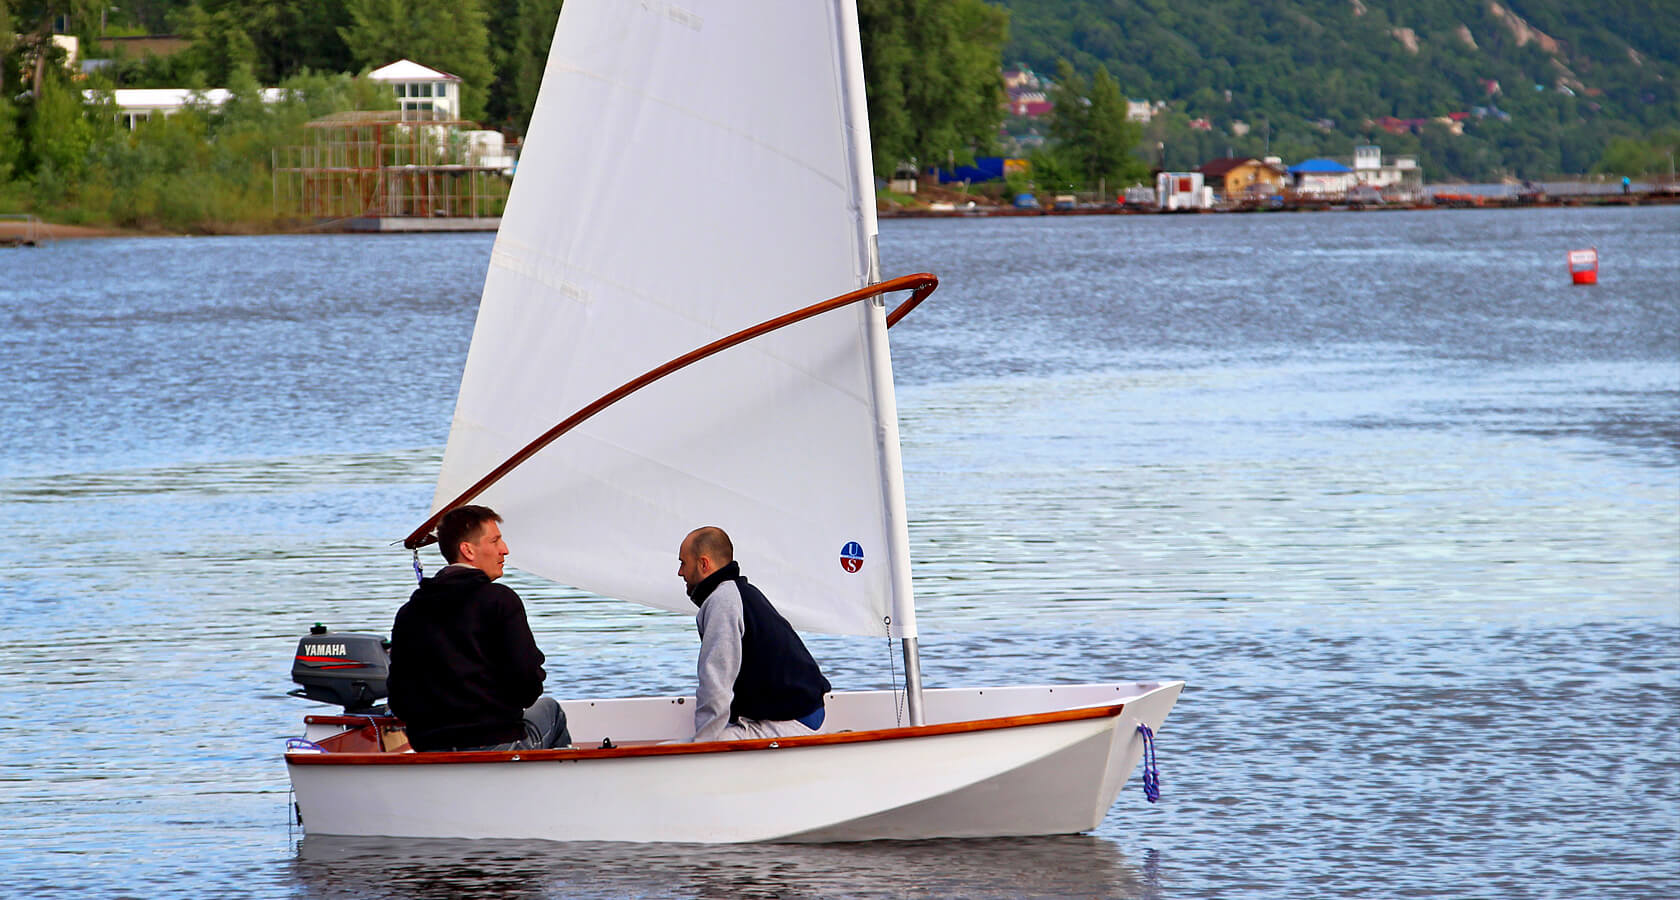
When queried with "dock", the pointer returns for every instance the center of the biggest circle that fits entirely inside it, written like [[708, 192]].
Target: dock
[[20, 230]]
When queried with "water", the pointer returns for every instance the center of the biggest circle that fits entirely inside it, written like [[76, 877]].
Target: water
[[1398, 501]]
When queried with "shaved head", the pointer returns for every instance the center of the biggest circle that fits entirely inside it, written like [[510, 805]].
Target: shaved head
[[711, 542], [703, 551]]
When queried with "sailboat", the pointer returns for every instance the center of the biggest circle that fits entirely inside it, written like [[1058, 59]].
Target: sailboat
[[653, 352]]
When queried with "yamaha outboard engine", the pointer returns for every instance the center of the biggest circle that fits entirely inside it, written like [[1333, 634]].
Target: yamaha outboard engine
[[343, 667]]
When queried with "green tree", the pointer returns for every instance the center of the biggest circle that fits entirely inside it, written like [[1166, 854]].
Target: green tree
[[8, 40], [26, 30], [528, 57], [1050, 172], [59, 132], [445, 34], [1089, 124], [931, 68], [1640, 156], [289, 36], [497, 104], [220, 47], [11, 146]]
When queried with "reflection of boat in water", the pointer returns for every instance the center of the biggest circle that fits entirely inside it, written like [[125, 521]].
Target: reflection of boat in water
[[781, 428], [332, 867]]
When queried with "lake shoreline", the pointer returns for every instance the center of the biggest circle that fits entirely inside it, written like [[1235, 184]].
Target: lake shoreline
[[1437, 202], [14, 233]]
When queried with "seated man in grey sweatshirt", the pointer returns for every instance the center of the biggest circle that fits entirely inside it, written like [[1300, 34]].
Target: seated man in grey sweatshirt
[[757, 680]]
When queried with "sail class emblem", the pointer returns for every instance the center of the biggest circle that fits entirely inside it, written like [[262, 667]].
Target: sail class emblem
[[851, 556]]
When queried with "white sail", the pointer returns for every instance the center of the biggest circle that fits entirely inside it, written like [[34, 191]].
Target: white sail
[[691, 169]]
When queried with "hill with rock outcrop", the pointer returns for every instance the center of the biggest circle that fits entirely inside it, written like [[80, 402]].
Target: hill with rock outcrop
[[1479, 89]]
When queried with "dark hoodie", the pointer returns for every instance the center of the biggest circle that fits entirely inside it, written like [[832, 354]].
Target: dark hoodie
[[463, 663]]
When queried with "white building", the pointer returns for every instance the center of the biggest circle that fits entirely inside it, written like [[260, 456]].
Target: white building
[[1319, 177], [1182, 190], [136, 105], [488, 148], [423, 93], [1401, 179]]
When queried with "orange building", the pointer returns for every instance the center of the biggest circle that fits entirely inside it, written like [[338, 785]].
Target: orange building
[[1235, 178]]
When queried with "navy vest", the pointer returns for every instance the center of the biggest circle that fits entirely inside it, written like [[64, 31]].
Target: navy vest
[[779, 680]]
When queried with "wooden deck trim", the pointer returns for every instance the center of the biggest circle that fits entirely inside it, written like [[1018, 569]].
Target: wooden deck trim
[[303, 758]]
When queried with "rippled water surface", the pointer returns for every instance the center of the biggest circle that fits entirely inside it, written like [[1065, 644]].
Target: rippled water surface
[[1399, 502]]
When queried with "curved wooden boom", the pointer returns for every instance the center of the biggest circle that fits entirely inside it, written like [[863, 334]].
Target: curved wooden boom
[[922, 285]]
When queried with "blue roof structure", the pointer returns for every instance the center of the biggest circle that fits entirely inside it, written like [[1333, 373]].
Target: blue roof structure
[[1318, 166]]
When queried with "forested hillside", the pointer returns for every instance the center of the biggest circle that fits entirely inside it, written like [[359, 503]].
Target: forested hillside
[[1546, 86], [932, 68], [1478, 89]]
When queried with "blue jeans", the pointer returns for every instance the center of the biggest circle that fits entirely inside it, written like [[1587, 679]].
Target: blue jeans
[[545, 728]]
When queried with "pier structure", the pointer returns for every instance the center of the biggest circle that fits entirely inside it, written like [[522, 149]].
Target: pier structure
[[20, 230], [375, 170]]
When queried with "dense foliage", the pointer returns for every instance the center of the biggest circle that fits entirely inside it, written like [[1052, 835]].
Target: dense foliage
[[932, 72], [201, 169], [932, 69], [1312, 77], [1537, 87], [1094, 140]]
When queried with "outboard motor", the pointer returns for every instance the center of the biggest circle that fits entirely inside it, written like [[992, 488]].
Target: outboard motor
[[345, 668]]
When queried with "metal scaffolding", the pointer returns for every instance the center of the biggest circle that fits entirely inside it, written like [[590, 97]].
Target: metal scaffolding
[[373, 164]]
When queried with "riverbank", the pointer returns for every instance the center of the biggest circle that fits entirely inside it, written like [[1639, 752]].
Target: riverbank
[[31, 230], [23, 232], [941, 203], [928, 203]]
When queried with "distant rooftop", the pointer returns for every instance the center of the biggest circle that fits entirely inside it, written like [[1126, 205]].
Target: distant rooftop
[[170, 99], [1225, 164], [409, 70], [1319, 166]]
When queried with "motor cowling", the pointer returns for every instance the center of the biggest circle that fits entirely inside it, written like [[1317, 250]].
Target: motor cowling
[[342, 667]]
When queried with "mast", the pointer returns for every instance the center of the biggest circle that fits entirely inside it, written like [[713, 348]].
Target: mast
[[880, 359]]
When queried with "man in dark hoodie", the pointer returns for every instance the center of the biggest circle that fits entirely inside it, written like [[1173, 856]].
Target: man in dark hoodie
[[757, 680], [465, 672]]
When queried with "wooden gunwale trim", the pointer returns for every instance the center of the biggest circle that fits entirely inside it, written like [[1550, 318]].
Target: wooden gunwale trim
[[921, 284], [785, 743], [352, 720]]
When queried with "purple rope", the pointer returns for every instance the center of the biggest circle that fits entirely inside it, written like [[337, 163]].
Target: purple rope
[[1151, 773]]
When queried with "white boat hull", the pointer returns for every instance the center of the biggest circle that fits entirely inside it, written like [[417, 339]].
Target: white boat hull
[[991, 762]]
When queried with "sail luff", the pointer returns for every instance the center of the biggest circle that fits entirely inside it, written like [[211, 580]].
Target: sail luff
[[859, 150], [880, 357], [902, 600]]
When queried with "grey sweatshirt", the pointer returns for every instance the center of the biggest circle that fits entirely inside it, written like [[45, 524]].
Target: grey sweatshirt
[[722, 622]]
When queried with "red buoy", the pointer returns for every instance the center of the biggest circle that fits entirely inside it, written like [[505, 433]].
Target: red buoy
[[1583, 266]]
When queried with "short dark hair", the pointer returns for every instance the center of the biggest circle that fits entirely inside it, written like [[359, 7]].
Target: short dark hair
[[462, 524], [711, 541]]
